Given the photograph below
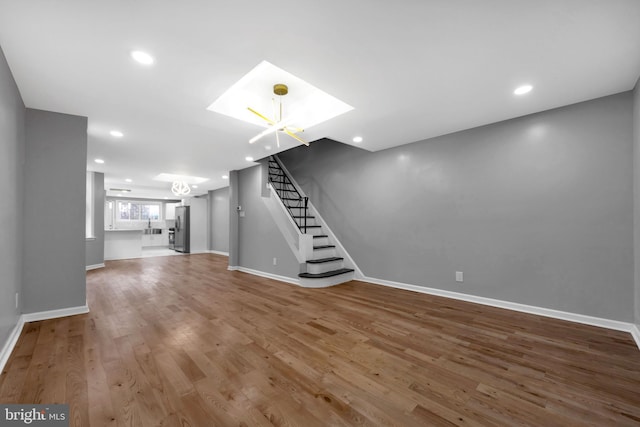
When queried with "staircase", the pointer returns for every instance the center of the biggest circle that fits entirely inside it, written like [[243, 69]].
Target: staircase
[[323, 267]]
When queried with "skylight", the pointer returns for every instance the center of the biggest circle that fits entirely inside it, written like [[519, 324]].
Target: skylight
[[305, 105]]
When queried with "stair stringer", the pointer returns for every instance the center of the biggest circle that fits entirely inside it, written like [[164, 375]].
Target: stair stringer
[[340, 250], [301, 245]]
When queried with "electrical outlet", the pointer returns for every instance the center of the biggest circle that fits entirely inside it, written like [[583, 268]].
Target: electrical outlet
[[459, 276], [275, 261], [17, 299]]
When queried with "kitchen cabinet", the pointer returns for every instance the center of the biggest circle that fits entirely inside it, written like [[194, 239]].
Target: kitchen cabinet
[[122, 244], [151, 240], [170, 210]]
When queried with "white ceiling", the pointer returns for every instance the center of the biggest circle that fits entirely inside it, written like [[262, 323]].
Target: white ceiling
[[412, 69]]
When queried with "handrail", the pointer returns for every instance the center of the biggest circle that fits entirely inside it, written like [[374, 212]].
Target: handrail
[[284, 180]]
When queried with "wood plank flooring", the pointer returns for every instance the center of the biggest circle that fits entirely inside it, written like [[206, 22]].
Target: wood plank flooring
[[181, 341]]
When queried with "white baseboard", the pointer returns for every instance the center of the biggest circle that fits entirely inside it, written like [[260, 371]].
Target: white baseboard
[[635, 333], [95, 266], [540, 311], [54, 314], [11, 342], [264, 274], [218, 253], [34, 317]]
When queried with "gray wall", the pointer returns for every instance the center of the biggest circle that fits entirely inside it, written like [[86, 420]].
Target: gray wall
[[636, 198], [54, 219], [12, 141], [537, 210], [95, 247], [259, 238], [219, 219]]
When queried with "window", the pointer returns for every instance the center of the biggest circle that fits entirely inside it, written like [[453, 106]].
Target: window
[[138, 211]]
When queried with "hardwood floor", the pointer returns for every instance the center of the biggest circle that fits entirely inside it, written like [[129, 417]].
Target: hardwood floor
[[181, 341]]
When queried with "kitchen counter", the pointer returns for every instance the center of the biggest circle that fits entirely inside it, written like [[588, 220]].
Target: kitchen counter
[[122, 243]]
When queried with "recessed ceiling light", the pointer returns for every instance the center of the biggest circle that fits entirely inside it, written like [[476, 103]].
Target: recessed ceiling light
[[142, 57], [249, 159], [99, 161], [119, 195], [523, 89], [357, 139], [116, 134], [267, 147], [194, 186], [128, 180], [225, 176], [166, 198]]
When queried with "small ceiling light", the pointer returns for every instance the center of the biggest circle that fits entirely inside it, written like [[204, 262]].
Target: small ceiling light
[[267, 147], [249, 159], [99, 161], [116, 134], [166, 198], [523, 89], [128, 180], [194, 186], [142, 57], [225, 176], [357, 139]]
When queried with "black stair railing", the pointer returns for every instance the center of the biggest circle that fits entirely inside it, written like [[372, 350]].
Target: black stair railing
[[288, 194]]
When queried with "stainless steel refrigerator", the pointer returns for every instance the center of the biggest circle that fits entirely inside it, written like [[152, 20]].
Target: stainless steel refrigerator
[[182, 229]]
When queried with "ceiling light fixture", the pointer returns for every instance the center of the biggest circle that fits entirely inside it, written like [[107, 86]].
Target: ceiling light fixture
[[523, 89], [116, 134], [311, 105], [142, 57], [128, 180], [357, 139], [194, 186], [180, 188], [278, 124], [225, 176], [249, 159], [100, 161]]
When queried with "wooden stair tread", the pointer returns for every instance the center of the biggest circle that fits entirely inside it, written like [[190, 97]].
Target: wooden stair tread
[[319, 236], [325, 274], [323, 260], [324, 247]]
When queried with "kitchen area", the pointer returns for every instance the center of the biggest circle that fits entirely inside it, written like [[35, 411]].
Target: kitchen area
[[149, 227]]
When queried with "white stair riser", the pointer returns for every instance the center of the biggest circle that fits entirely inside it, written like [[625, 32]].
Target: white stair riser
[[324, 267], [319, 241], [324, 253], [314, 231], [327, 281]]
